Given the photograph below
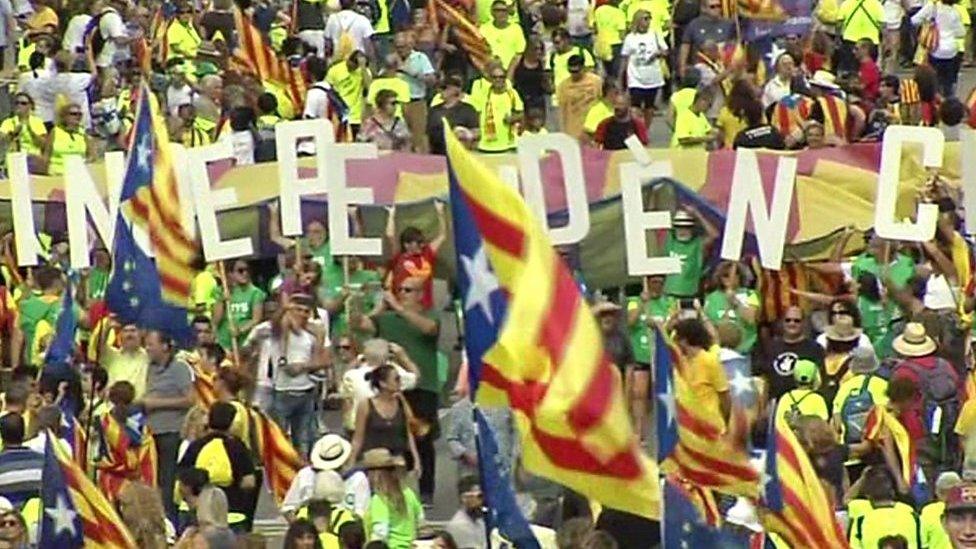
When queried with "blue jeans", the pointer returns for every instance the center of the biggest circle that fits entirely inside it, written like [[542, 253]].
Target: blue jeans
[[295, 413]]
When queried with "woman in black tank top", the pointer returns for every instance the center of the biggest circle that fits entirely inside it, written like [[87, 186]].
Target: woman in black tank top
[[383, 420]]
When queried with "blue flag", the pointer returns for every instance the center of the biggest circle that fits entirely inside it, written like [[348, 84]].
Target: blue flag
[[503, 510], [133, 292], [684, 525], [667, 429], [57, 361], [484, 304], [60, 522]]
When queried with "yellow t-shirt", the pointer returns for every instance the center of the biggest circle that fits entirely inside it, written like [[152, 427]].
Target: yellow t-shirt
[[707, 379], [400, 87], [202, 292], [505, 43], [730, 125], [967, 418], [610, 23], [184, 41], [682, 99], [493, 108], [861, 19], [350, 86], [559, 63], [483, 11], [122, 366], [286, 109], [22, 140], [689, 124], [598, 112], [808, 402]]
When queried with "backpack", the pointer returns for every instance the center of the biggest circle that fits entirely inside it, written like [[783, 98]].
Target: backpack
[[399, 15], [940, 403], [793, 414], [214, 459], [854, 412]]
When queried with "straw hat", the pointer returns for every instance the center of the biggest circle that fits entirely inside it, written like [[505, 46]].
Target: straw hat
[[913, 341], [843, 329], [824, 79], [381, 458], [330, 453]]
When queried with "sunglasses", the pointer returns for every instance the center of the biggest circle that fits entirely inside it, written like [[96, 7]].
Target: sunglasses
[[9, 523], [23, 102], [241, 270], [345, 347], [792, 320], [498, 76], [74, 113]]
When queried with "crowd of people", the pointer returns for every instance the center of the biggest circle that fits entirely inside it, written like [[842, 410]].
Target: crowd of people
[[172, 430]]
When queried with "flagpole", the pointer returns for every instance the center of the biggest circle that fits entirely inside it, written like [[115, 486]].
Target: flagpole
[[90, 471], [235, 352]]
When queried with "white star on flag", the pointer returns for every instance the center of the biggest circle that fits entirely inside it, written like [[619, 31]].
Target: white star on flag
[[481, 282], [144, 152], [741, 384], [63, 516], [774, 53], [667, 401]]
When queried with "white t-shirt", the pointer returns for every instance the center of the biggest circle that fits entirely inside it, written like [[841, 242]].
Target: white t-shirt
[[300, 492], [39, 444], [111, 26], [355, 23], [175, 97], [242, 145], [317, 100], [74, 34], [862, 341], [774, 90], [73, 85], [301, 349], [643, 70], [35, 88], [577, 12]]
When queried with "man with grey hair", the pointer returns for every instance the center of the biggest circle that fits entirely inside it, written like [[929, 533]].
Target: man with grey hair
[[931, 531], [356, 388], [208, 102]]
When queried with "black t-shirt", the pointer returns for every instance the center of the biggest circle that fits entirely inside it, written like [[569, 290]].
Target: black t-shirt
[[616, 133], [628, 529], [762, 137], [461, 114], [777, 367], [309, 16], [528, 81], [222, 21]]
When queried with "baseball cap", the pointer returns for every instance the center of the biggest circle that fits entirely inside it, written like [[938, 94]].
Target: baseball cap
[[961, 497], [805, 372]]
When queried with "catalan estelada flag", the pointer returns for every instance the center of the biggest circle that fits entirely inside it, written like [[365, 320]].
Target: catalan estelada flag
[[789, 114], [75, 513], [254, 55], [880, 423], [151, 198], [543, 356], [693, 442], [765, 10], [127, 453], [280, 459], [795, 505], [835, 116]]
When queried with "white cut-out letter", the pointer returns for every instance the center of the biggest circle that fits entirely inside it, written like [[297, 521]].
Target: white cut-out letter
[[747, 195], [530, 150], [293, 187], [885, 225], [637, 222], [25, 235], [341, 197], [208, 201]]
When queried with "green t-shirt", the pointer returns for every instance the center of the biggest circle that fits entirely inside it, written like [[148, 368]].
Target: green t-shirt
[[331, 270], [31, 311], [368, 293], [659, 309], [244, 300], [96, 284], [717, 308], [876, 319], [901, 270], [420, 347], [398, 530], [691, 254]]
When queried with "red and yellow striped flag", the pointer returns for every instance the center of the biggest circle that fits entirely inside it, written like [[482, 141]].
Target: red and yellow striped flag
[[254, 55], [281, 460], [795, 505], [101, 526], [835, 116], [467, 31], [547, 360], [880, 422], [790, 113], [693, 442], [971, 109], [130, 454], [151, 199]]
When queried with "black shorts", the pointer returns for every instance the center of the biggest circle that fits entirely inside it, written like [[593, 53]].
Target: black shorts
[[643, 98]]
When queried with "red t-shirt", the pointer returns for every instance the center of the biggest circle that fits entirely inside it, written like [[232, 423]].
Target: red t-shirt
[[416, 265], [870, 79]]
